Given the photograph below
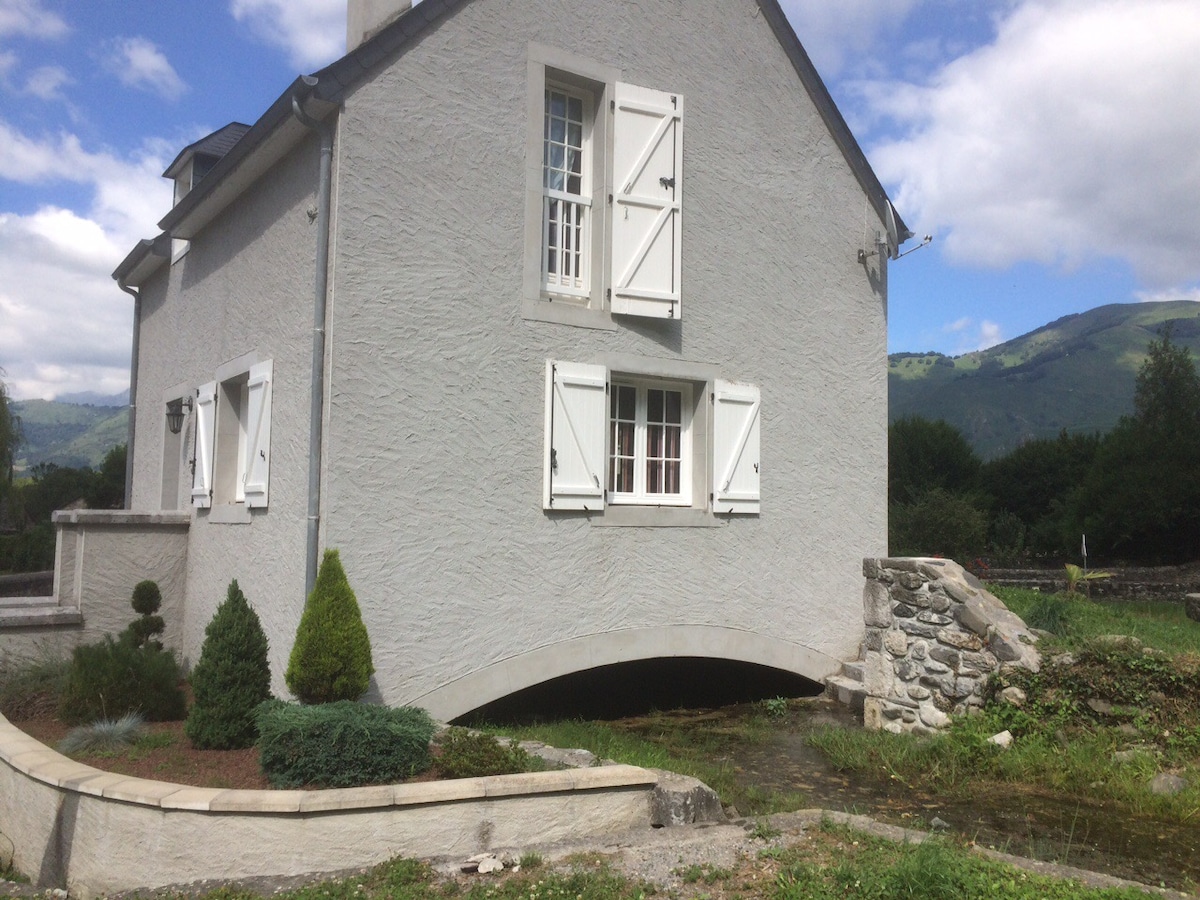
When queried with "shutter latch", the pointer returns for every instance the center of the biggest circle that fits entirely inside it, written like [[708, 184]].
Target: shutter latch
[[666, 182]]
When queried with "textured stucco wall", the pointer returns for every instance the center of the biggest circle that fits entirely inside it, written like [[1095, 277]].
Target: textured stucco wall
[[434, 462], [101, 556], [245, 286], [434, 419]]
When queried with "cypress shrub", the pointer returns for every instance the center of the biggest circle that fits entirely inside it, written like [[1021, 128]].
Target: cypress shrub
[[113, 678], [231, 678], [341, 744], [331, 659]]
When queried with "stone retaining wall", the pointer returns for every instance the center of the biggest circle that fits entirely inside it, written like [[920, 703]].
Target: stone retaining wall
[[1171, 583], [933, 636], [96, 832]]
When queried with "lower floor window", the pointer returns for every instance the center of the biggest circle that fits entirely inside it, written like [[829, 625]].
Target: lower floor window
[[648, 462], [625, 438]]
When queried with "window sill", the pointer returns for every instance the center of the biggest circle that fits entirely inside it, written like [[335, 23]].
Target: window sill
[[229, 514], [563, 312], [655, 517]]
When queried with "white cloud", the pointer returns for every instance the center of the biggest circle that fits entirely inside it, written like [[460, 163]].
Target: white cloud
[[1069, 138], [989, 335], [957, 325], [139, 64], [29, 18], [67, 324], [312, 32], [1169, 295], [45, 82]]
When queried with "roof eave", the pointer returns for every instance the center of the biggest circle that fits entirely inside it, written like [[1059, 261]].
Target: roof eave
[[823, 100], [146, 258]]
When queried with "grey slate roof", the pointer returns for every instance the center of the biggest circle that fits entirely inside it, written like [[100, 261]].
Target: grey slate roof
[[216, 144]]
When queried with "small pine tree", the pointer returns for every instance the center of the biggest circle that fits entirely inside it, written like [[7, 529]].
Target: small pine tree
[[231, 678], [331, 659]]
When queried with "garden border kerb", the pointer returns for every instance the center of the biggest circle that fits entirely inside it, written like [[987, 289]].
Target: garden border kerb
[[96, 832]]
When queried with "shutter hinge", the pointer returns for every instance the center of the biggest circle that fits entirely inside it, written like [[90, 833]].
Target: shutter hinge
[[612, 105], [610, 199], [675, 101], [608, 294]]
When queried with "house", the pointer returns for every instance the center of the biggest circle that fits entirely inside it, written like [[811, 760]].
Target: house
[[564, 320]]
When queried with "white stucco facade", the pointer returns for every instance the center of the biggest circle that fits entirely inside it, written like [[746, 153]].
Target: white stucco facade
[[436, 360]]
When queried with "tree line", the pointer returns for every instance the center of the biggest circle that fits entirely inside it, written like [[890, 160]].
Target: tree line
[[1134, 492], [26, 504]]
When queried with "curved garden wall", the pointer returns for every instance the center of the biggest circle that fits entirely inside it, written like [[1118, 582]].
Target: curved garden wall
[[96, 832]]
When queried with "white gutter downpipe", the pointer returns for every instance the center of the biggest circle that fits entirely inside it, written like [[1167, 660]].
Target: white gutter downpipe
[[320, 292], [127, 503]]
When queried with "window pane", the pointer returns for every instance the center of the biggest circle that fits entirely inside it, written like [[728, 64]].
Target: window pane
[[556, 103], [628, 401], [575, 134], [674, 439], [573, 185], [576, 109], [671, 478], [654, 406], [558, 130], [654, 475], [674, 407], [654, 441]]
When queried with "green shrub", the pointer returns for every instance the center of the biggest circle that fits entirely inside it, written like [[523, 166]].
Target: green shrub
[[470, 754], [231, 678], [147, 598], [111, 678], [341, 744], [331, 659], [31, 689]]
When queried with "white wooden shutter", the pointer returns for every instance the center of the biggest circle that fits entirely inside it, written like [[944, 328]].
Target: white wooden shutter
[[258, 434], [576, 427], [647, 198], [735, 447], [206, 420]]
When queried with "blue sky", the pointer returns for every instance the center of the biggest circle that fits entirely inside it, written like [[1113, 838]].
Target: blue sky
[[1049, 146]]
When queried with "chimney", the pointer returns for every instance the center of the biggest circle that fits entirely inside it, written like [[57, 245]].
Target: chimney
[[365, 17]]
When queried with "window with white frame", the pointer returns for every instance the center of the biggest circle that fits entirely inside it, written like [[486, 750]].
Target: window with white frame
[[624, 439], [596, 140], [233, 437], [566, 188], [649, 455]]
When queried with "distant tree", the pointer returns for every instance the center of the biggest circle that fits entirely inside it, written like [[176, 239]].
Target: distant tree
[[10, 439], [108, 484], [1140, 501], [1033, 484], [940, 523], [923, 455]]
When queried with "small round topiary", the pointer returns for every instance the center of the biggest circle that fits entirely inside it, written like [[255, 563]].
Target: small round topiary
[[147, 598]]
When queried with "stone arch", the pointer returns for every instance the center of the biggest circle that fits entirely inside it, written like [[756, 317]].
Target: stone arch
[[500, 679]]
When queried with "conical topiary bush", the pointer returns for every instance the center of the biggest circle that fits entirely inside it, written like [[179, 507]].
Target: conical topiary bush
[[231, 679], [331, 659]]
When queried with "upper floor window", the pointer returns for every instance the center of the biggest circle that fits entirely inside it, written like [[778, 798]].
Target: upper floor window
[[566, 190], [604, 188]]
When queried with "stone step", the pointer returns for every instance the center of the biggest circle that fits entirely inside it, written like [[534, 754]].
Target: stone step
[[846, 691], [854, 670]]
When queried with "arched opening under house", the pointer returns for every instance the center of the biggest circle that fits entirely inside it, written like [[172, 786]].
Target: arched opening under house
[[640, 686]]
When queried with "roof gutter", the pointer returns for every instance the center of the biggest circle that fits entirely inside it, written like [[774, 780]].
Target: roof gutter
[[320, 294]]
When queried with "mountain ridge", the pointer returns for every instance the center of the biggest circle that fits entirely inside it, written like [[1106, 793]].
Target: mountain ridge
[[1075, 374]]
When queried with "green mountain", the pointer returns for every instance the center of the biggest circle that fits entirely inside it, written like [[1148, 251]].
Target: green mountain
[[68, 434], [1076, 373]]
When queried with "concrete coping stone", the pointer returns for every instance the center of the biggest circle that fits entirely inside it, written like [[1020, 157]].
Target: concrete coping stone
[[120, 517], [37, 761], [39, 616]]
